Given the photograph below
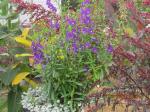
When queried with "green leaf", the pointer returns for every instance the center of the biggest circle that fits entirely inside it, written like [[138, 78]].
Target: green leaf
[[74, 82], [17, 50], [12, 16], [19, 77], [31, 82], [79, 99], [23, 41], [10, 73], [3, 104], [13, 100], [4, 7], [23, 55]]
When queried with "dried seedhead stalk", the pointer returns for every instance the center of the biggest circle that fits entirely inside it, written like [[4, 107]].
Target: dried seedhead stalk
[[37, 12]]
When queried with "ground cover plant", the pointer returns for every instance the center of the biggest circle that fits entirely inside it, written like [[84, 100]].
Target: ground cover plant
[[92, 55]]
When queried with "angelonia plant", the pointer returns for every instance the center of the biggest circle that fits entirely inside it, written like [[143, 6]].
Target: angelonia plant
[[77, 58]]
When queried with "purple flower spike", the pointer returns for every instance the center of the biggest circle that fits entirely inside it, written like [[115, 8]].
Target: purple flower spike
[[87, 31], [84, 30], [85, 20], [93, 39], [54, 25], [51, 6], [51, 24], [57, 26], [94, 50], [37, 52], [90, 31], [85, 11], [85, 2], [110, 48], [71, 34], [71, 22], [87, 45], [74, 47], [36, 46]]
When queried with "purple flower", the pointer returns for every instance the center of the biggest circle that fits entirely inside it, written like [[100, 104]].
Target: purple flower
[[87, 45], [51, 24], [84, 30], [54, 25], [85, 68], [85, 20], [94, 50], [93, 39], [85, 2], [74, 47], [90, 30], [57, 26], [109, 48], [82, 47], [71, 34], [85, 11], [36, 46], [37, 52], [71, 22], [87, 31], [51, 6]]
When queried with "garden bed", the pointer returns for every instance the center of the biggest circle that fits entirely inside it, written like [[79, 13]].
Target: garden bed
[[86, 56]]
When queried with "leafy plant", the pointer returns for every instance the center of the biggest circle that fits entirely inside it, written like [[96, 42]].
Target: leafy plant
[[78, 55], [10, 53], [77, 58]]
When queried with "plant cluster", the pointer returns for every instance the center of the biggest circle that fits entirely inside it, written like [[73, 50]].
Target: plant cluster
[[77, 58], [129, 73], [100, 44]]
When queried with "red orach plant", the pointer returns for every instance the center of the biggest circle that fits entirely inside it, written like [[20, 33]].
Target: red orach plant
[[146, 2], [130, 71], [130, 75]]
